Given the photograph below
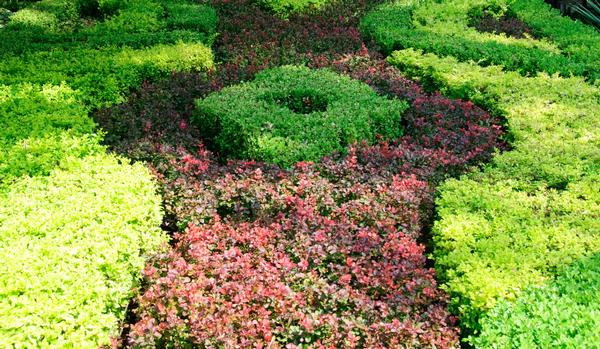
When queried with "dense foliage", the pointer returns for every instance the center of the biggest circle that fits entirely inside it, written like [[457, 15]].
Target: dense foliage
[[72, 244], [76, 224], [534, 210], [207, 199], [561, 314], [285, 8], [271, 252], [297, 259], [292, 114], [443, 27]]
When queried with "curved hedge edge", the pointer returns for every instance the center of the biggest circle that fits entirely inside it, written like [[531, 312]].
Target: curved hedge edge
[[72, 244], [443, 28], [293, 113], [533, 209]]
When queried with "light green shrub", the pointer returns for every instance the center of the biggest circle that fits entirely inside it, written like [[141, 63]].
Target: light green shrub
[[72, 246], [33, 19], [38, 156], [75, 223], [562, 314], [45, 15], [292, 114], [534, 209], [104, 76], [29, 110]]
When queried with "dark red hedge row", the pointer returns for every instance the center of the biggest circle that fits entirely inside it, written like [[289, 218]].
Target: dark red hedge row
[[324, 255]]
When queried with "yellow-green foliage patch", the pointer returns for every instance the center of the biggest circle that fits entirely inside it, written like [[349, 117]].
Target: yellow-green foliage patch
[[72, 245], [535, 208], [75, 223]]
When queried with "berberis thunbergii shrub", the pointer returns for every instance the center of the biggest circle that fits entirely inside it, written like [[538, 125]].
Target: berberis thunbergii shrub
[[292, 113]]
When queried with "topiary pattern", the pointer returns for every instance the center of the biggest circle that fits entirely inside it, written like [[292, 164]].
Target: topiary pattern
[[293, 113]]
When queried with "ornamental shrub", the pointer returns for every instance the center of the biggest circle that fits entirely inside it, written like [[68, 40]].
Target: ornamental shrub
[[75, 224], [285, 8], [191, 16], [142, 16], [104, 76], [563, 313], [297, 261], [443, 28], [31, 19], [291, 114], [29, 110], [253, 39], [534, 209], [73, 244]]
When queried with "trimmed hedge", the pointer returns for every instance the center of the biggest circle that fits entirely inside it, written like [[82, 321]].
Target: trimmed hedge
[[292, 114], [285, 8], [136, 24], [535, 208], [566, 47], [104, 76], [72, 245], [75, 224], [563, 314]]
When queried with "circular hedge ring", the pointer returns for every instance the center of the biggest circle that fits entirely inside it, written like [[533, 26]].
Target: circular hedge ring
[[290, 114]]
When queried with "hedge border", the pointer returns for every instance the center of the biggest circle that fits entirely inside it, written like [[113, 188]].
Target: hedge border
[[568, 47]]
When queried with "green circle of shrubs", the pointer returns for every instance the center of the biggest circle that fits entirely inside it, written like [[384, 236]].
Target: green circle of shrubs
[[290, 114]]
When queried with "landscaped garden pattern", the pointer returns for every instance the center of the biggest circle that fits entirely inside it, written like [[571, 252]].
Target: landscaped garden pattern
[[292, 114], [76, 224], [533, 212], [329, 254], [326, 228]]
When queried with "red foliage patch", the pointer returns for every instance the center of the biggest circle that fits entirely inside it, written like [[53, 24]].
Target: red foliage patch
[[299, 261]]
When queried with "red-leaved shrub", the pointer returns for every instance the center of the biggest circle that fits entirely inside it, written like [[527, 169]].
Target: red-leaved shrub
[[298, 261]]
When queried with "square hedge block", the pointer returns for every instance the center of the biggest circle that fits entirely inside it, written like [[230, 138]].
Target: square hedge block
[[290, 114]]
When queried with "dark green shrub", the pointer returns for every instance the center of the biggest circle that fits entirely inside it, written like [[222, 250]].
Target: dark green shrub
[[291, 114], [566, 47], [184, 15], [138, 16]]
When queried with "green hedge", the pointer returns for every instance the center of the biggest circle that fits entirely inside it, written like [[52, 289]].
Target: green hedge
[[75, 223], [155, 23], [564, 314], [98, 62], [442, 27], [285, 8], [40, 125], [104, 76], [535, 208], [292, 114], [72, 246]]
